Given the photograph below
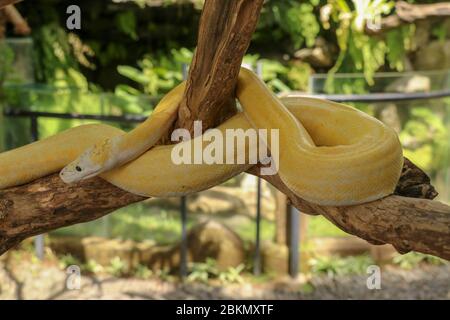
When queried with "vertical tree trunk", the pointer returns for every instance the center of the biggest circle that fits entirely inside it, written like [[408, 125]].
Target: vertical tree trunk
[[224, 35]]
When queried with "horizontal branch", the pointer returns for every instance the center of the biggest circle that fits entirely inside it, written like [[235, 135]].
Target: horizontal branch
[[48, 204], [409, 13], [407, 223]]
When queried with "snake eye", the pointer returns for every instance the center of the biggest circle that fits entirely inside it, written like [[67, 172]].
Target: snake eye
[[78, 168]]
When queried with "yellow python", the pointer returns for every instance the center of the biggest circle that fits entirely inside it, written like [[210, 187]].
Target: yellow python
[[330, 154]]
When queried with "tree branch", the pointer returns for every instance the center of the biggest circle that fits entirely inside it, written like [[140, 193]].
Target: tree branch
[[408, 224], [21, 26], [4, 3], [225, 31], [409, 13]]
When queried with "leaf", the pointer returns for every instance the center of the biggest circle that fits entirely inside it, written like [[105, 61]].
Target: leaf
[[126, 22], [133, 74]]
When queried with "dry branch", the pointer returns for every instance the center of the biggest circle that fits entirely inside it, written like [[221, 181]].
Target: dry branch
[[21, 26], [409, 13], [409, 224], [4, 3], [48, 203], [224, 35]]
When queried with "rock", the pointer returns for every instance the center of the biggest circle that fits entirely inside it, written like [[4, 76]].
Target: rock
[[434, 56], [215, 240], [275, 258], [218, 200], [422, 33]]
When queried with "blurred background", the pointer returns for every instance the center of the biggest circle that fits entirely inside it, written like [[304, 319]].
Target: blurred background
[[240, 239]]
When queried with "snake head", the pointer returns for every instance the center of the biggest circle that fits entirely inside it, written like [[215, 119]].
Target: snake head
[[95, 160], [80, 169]]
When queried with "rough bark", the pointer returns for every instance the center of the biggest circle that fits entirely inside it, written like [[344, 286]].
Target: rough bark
[[409, 224], [225, 31], [47, 203], [409, 13]]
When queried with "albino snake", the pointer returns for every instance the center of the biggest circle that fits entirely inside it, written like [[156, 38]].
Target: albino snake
[[329, 153]]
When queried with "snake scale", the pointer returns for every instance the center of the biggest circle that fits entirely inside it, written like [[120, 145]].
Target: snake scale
[[329, 153]]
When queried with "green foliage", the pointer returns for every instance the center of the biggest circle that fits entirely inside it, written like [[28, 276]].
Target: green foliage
[[425, 138], [142, 272], [5, 66], [117, 267], [281, 77], [126, 22], [440, 31], [156, 74], [68, 260], [205, 271], [412, 260], [358, 51], [6, 61], [54, 58], [137, 222], [202, 271], [164, 274], [318, 226], [294, 21], [337, 266], [399, 42], [92, 267], [232, 274], [307, 288]]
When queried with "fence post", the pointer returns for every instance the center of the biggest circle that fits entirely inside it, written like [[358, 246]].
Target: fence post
[[294, 240], [257, 254], [183, 213], [39, 239], [183, 244]]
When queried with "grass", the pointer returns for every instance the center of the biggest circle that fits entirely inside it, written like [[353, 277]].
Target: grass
[[338, 266], [318, 226], [413, 259]]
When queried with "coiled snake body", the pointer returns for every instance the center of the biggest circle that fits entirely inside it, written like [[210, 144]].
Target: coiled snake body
[[329, 153]]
